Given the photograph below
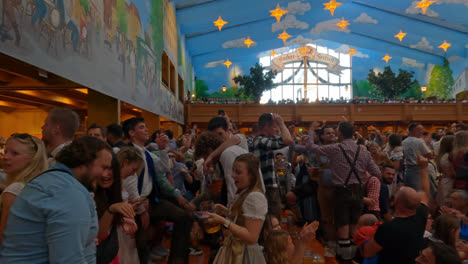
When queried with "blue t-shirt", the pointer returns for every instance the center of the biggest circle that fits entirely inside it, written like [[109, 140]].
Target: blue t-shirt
[[52, 220], [463, 231]]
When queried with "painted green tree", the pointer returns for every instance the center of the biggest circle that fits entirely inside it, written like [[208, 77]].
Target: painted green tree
[[122, 23], [362, 89], [441, 81], [85, 5], [232, 93], [256, 83], [201, 89], [387, 85], [157, 30], [414, 91]]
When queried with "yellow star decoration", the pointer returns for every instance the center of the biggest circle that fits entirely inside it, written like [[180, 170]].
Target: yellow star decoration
[[248, 42], [278, 13], [424, 4], [332, 5], [284, 36], [445, 45], [303, 50], [386, 58], [343, 24], [400, 35], [227, 63], [219, 23], [273, 53], [351, 51]]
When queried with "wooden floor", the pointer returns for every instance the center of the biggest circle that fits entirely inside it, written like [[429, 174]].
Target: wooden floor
[[202, 259]]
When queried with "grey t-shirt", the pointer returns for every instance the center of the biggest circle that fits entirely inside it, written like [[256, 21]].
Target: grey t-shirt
[[413, 146]]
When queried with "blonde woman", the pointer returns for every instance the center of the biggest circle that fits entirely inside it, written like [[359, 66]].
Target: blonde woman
[[24, 158], [246, 215]]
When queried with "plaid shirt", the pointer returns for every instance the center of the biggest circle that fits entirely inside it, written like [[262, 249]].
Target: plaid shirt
[[373, 192], [340, 167], [263, 148]]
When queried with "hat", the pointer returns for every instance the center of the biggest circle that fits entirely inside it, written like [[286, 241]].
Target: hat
[[364, 233]]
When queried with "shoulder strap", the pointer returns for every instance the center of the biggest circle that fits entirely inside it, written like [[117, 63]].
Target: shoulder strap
[[352, 165], [50, 170]]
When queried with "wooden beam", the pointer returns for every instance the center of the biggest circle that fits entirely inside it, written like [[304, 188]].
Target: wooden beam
[[17, 67], [70, 93], [7, 109], [14, 105], [20, 101], [38, 97]]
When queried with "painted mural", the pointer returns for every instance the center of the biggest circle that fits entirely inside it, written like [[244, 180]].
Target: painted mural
[[112, 46]]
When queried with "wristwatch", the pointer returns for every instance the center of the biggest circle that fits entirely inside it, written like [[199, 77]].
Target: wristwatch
[[227, 223]]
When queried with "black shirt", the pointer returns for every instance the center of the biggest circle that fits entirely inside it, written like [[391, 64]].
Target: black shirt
[[402, 238], [383, 198]]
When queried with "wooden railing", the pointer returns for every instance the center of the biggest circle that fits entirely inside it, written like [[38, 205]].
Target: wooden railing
[[296, 113]]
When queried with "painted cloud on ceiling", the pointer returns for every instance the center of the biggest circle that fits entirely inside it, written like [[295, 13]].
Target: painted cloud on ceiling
[[413, 10], [466, 46], [298, 7], [344, 48], [365, 19], [329, 25], [289, 21], [299, 40], [214, 64], [423, 45], [237, 43], [465, 2], [411, 63], [454, 58], [281, 50]]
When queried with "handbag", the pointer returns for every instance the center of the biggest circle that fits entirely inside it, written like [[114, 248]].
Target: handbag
[[108, 248]]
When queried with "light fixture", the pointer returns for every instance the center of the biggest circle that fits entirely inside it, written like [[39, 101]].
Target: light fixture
[[219, 23], [227, 63], [278, 13], [224, 88], [424, 4], [193, 95], [332, 5], [445, 45], [423, 88], [343, 24], [273, 53], [346, 88], [400, 35], [386, 58], [351, 51], [248, 42], [284, 36]]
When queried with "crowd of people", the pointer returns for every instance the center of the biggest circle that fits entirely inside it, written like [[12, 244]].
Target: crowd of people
[[325, 100], [115, 194]]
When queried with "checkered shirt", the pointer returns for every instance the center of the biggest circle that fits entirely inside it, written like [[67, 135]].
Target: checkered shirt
[[263, 148]]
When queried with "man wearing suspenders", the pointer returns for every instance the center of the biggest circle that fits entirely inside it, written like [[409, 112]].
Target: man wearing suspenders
[[349, 162]]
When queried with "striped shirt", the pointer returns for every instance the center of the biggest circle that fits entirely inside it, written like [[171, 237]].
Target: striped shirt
[[263, 148], [340, 167]]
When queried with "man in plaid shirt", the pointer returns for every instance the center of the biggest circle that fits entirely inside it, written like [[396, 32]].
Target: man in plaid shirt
[[347, 179], [263, 147]]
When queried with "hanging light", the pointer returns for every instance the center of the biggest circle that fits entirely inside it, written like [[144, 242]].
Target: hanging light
[[386, 58], [400, 35], [284, 36], [332, 5], [278, 13], [343, 24], [227, 63], [445, 46], [424, 4], [219, 23], [224, 88], [423, 88], [248, 42]]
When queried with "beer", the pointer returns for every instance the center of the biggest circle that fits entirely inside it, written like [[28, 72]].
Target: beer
[[281, 172]]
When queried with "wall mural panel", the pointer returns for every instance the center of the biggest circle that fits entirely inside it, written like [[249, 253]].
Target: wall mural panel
[[112, 46]]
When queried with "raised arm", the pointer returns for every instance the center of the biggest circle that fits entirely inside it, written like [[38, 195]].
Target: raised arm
[[285, 134]]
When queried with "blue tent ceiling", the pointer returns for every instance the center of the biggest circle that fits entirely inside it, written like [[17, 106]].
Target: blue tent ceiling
[[373, 24]]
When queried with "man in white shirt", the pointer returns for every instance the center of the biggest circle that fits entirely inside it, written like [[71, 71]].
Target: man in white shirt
[[59, 130], [413, 146], [165, 203]]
